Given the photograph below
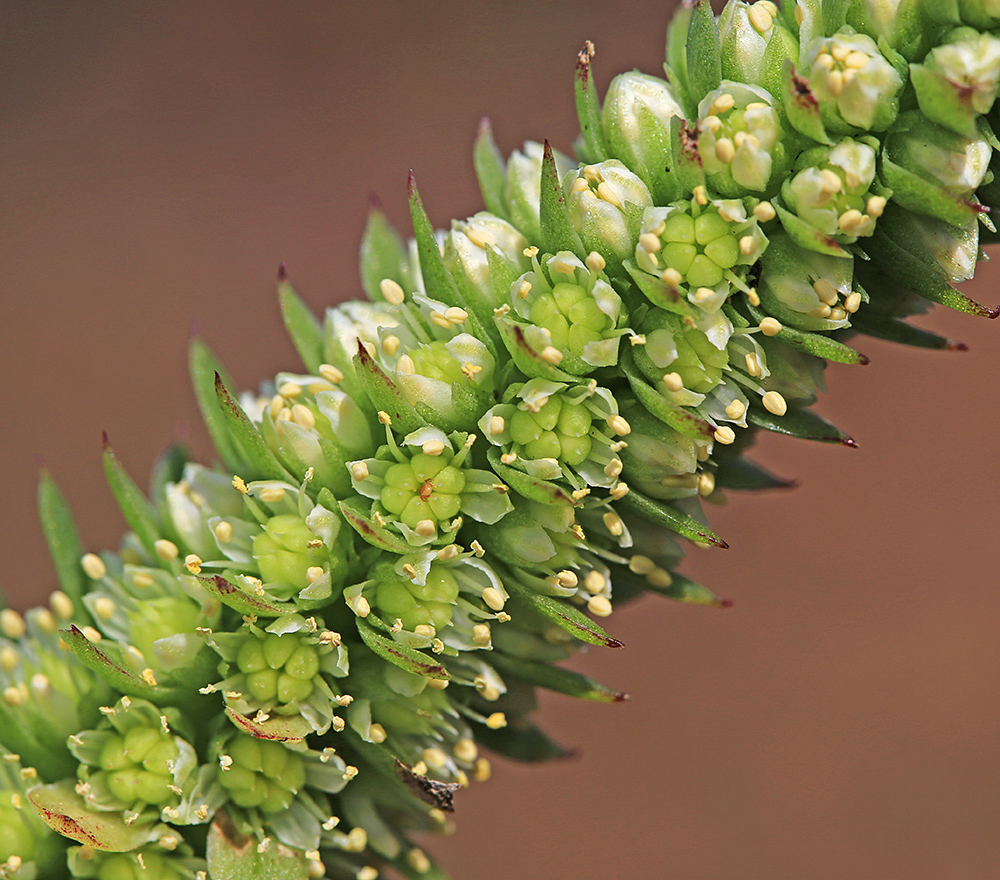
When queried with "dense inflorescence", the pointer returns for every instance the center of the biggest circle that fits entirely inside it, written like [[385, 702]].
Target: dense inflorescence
[[297, 654]]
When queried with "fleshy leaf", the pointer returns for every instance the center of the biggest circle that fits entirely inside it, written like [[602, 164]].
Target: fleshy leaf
[[301, 324], [588, 109], [813, 343], [563, 614], [261, 463], [204, 367], [231, 856], [490, 171], [136, 509], [241, 601], [382, 255], [801, 423], [281, 728], [681, 419], [399, 654], [663, 514], [558, 233], [555, 678], [63, 540]]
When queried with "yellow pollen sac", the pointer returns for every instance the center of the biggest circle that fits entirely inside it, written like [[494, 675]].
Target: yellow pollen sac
[[799, 15], [613, 468], [725, 152], [595, 262], [425, 528], [496, 721], [12, 696], [770, 326], [613, 523], [619, 490], [331, 374], [482, 770], [821, 311], [659, 577], [376, 733], [650, 243], [853, 302], [840, 53], [608, 194], [599, 606], [433, 447], [530, 252], [91, 634], [746, 245], [470, 371], [494, 598], [619, 425], [579, 185], [591, 173], [760, 18], [426, 630], [9, 659], [712, 123], [192, 562], [567, 578], [314, 572], [551, 355], [303, 416], [753, 365], [417, 860], [838, 314], [672, 277], [725, 435], [441, 321], [359, 470], [271, 494], [390, 345], [851, 219], [104, 607], [94, 566], [166, 550], [700, 195], [774, 403], [497, 425], [481, 634], [829, 181], [439, 684], [144, 579], [752, 297], [673, 381], [875, 206], [61, 605], [639, 564], [361, 607], [835, 82], [703, 294], [706, 484], [856, 60], [406, 366], [479, 237], [723, 103], [764, 212], [392, 292], [456, 315], [736, 409]]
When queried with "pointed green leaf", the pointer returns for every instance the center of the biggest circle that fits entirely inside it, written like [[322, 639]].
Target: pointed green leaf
[[490, 170], [657, 291], [660, 513], [63, 541], [232, 856], [894, 330], [524, 356], [136, 509], [521, 740], [561, 613], [62, 809], [280, 728], [799, 422], [120, 677], [808, 236], [301, 324], [355, 511], [437, 280], [812, 343], [557, 230], [588, 109], [260, 461], [241, 601], [382, 255], [735, 472], [703, 51], [555, 678], [680, 418], [399, 654], [385, 394], [922, 196], [168, 468], [685, 590], [204, 368], [534, 488]]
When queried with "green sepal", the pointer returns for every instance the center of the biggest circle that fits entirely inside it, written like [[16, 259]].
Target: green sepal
[[533, 488], [241, 601], [437, 280], [503, 273], [898, 267], [683, 589], [29, 734], [737, 473], [675, 65], [118, 676], [662, 514], [799, 422], [232, 856], [356, 512], [204, 367], [63, 541], [382, 255], [801, 105], [62, 809], [895, 330], [279, 728], [684, 153], [807, 236], [812, 343], [528, 361], [261, 463], [835, 14], [588, 111], [560, 613], [520, 740], [491, 170], [385, 394], [403, 656], [555, 678], [922, 196], [782, 47], [703, 52], [135, 507], [682, 419], [657, 291], [557, 231], [301, 324]]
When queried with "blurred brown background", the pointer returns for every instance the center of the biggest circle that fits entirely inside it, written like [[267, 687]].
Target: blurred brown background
[[160, 159]]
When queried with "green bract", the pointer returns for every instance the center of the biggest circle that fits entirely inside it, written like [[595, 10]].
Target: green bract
[[305, 646]]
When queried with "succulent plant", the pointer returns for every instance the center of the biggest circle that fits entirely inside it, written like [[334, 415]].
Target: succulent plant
[[298, 654]]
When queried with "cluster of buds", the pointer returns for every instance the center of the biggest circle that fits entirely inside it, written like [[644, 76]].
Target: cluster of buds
[[304, 648]]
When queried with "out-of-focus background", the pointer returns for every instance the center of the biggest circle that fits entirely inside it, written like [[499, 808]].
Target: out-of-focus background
[[159, 160]]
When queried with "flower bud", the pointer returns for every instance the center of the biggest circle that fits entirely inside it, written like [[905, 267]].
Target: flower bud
[[745, 30], [285, 551], [636, 122], [467, 245]]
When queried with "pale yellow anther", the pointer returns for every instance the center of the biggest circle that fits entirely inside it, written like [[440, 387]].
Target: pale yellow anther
[[167, 550], [650, 243], [449, 552], [439, 684], [433, 447], [406, 366], [835, 82], [418, 861], [551, 355], [671, 277], [659, 577], [673, 381], [706, 484], [838, 314], [799, 14], [9, 658], [703, 294], [595, 262], [61, 604], [359, 470], [725, 151], [723, 103], [275, 407], [271, 494], [239, 484], [470, 371], [599, 606], [875, 206], [104, 607], [642, 565], [821, 311], [284, 415], [853, 302], [619, 425], [591, 173], [497, 425], [760, 18], [479, 237], [725, 435], [303, 416], [390, 345], [579, 185], [746, 245], [481, 634], [829, 181], [530, 252], [496, 721], [736, 409], [752, 297], [477, 548], [764, 212], [392, 292], [850, 220], [143, 579], [774, 403], [856, 60], [619, 490], [313, 572], [12, 696], [524, 289], [361, 607], [425, 528], [770, 326], [94, 566], [753, 365], [482, 770], [426, 630], [91, 634], [456, 315], [192, 562], [440, 320], [409, 571], [613, 468], [700, 195], [613, 523], [493, 598], [331, 373]]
